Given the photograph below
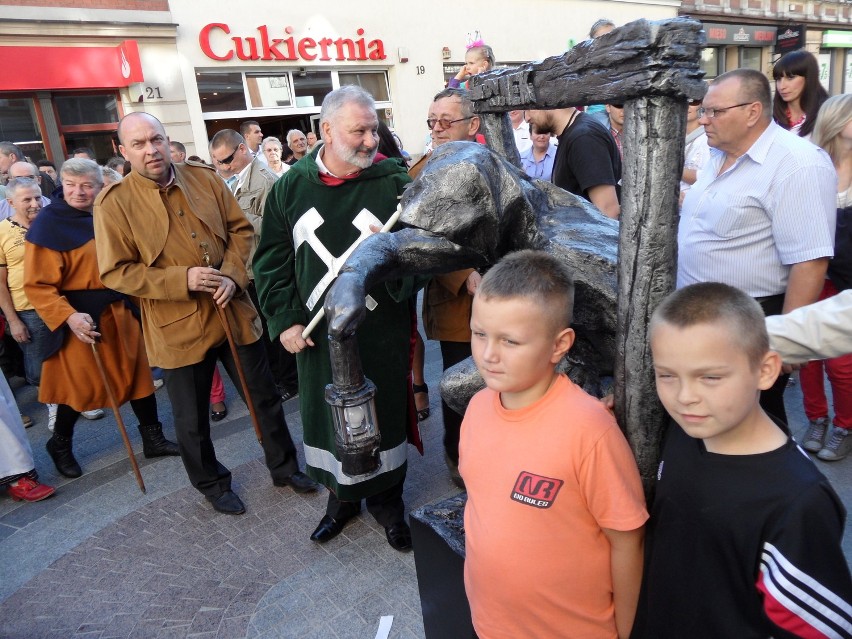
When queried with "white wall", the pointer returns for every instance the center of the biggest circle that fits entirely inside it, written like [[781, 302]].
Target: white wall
[[517, 31]]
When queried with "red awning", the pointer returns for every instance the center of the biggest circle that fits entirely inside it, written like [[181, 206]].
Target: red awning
[[33, 68]]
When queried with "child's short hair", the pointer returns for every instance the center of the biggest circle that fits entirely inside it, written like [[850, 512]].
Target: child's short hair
[[537, 275], [715, 303]]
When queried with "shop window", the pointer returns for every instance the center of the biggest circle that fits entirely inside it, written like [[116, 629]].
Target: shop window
[[268, 91], [847, 77], [750, 58], [710, 61], [375, 83], [310, 87], [75, 110], [824, 59], [19, 124], [221, 91]]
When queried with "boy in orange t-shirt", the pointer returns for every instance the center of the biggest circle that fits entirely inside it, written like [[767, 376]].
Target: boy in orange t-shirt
[[555, 512]]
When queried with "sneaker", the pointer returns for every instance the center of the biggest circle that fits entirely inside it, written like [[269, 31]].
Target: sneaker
[[158, 384], [27, 420], [838, 446], [26, 489], [93, 414], [51, 416], [814, 439]]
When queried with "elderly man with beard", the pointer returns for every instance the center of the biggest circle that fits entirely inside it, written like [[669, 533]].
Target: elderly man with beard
[[325, 203]]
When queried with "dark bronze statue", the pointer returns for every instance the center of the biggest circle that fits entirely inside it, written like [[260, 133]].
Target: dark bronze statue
[[470, 206]]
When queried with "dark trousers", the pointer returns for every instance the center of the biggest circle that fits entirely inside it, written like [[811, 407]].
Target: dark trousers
[[452, 353], [145, 409], [281, 363], [772, 399], [189, 392], [386, 507]]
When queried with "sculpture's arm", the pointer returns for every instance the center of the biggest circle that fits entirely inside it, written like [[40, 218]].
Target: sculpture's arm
[[386, 256]]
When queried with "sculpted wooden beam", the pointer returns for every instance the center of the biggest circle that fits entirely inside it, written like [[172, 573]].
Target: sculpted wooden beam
[[640, 59]]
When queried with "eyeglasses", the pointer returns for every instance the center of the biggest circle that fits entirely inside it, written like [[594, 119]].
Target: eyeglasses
[[228, 159], [712, 113], [445, 124]]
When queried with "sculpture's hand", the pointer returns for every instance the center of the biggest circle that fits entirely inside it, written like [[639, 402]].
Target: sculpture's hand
[[344, 305]]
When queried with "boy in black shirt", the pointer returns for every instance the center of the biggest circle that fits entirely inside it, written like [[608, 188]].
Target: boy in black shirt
[[745, 532]]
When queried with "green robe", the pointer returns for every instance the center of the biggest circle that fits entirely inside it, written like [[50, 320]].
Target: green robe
[[288, 266]]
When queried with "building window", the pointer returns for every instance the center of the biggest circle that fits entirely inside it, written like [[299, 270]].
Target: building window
[[311, 87], [824, 59], [750, 58], [375, 83], [710, 61], [268, 91], [221, 91], [19, 124], [75, 110]]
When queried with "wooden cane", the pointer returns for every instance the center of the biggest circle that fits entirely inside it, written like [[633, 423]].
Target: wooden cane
[[249, 401], [226, 324], [114, 405]]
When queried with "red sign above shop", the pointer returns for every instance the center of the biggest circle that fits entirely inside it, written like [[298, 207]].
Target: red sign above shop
[[265, 46], [34, 68], [743, 34]]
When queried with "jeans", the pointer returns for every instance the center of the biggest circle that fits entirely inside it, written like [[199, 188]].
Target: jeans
[[34, 349]]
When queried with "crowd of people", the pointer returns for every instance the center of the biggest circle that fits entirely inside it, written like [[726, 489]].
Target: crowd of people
[[157, 267]]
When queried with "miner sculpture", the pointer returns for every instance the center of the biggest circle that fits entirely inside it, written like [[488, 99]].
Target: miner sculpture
[[470, 206]]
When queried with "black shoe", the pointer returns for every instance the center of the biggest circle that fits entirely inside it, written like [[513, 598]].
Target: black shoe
[[328, 529], [219, 415], [227, 503], [399, 536], [154, 444], [288, 394], [298, 481], [59, 449]]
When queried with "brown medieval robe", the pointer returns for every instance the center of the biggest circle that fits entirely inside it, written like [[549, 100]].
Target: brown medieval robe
[[70, 376]]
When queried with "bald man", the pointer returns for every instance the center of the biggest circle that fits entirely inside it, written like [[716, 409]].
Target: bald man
[[174, 236]]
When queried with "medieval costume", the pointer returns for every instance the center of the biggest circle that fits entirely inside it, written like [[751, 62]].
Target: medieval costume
[[310, 225]]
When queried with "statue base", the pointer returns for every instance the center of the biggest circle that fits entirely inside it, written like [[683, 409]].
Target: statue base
[[437, 533]]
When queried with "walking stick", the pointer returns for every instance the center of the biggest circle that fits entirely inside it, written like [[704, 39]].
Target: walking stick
[[249, 401], [223, 317], [114, 405]]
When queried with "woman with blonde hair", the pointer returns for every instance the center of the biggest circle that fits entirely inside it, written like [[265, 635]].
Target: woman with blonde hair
[[833, 132], [272, 149]]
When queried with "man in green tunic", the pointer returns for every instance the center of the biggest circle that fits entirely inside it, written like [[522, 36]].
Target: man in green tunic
[[328, 201]]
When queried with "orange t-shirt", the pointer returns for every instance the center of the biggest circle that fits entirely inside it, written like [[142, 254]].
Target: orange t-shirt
[[542, 482]]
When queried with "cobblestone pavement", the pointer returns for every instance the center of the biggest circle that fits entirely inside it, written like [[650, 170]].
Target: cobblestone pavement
[[101, 560]]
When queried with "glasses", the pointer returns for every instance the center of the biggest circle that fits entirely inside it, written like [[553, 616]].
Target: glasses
[[228, 159], [445, 124], [712, 113]]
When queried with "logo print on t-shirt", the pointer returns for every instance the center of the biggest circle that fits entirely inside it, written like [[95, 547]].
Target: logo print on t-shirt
[[536, 490]]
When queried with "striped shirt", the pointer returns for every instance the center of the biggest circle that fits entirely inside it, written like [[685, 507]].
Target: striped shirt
[[773, 208]]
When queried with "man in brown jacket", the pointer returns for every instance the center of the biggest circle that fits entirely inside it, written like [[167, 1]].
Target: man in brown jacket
[[448, 298], [252, 183], [173, 236]]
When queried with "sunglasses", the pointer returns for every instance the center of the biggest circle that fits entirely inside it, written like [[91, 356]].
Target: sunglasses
[[228, 159]]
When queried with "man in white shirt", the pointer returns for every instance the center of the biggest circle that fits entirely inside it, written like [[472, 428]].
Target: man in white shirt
[[761, 215]]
